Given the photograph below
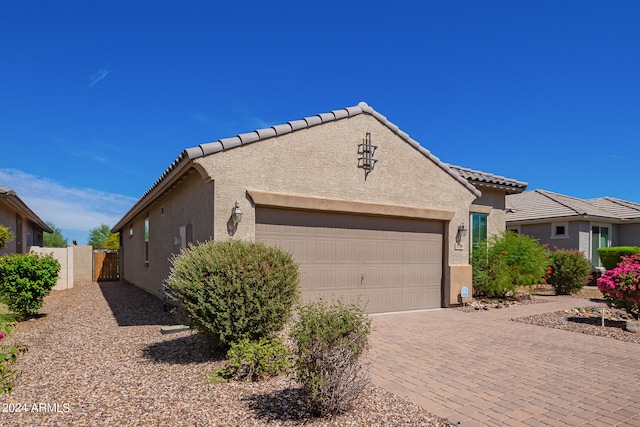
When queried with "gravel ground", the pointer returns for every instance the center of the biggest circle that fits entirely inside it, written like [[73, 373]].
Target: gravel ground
[[97, 358]]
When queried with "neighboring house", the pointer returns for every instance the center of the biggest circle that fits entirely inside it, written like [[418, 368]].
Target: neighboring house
[[364, 209], [565, 222], [22, 221]]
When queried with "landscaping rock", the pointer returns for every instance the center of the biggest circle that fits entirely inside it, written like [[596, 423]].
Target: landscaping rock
[[633, 326]]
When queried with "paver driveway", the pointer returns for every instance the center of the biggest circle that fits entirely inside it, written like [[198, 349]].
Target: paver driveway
[[481, 369]]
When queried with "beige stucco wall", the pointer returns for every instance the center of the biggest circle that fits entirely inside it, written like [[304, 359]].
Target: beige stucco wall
[[191, 202], [322, 161], [492, 203]]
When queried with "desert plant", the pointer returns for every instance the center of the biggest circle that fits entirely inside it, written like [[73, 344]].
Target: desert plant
[[621, 285], [8, 357], [6, 236], [256, 360], [25, 279], [330, 340], [506, 261], [569, 271], [233, 289], [611, 256]]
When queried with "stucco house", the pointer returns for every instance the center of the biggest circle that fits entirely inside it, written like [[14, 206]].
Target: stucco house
[[365, 210], [566, 222], [22, 221]]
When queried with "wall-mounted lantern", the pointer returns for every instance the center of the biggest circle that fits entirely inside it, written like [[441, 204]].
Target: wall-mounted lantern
[[462, 230], [236, 214]]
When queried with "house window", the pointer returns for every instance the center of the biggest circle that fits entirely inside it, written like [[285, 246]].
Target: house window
[[514, 229], [146, 240], [478, 229], [599, 239], [560, 230]]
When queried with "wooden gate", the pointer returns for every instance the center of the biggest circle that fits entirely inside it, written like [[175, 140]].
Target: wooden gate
[[105, 266]]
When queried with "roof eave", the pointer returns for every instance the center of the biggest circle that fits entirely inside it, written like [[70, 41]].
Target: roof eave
[[21, 207], [165, 182]]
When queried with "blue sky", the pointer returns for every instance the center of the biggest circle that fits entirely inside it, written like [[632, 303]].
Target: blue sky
[[97, 99]]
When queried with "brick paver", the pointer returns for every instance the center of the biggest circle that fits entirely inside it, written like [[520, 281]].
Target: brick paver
[[481, 369]]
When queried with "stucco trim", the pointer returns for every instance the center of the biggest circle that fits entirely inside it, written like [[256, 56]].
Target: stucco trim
[[480, 209], [292, 201]]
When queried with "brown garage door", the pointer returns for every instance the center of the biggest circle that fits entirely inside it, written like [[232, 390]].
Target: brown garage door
[[392, 264]]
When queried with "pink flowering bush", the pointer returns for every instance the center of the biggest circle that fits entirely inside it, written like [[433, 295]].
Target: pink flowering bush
[[621, 286]]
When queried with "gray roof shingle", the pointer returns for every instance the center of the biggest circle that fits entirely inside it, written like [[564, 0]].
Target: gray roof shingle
[[542, 204]]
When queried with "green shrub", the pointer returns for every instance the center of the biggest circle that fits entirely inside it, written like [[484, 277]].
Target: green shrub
[[569, 271], [25, 279], [330, 339], [507, 261], [610, 257], [233, 289], [255, 360], [6, 236]]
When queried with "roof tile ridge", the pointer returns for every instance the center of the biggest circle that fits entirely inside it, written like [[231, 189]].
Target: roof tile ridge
[[625, 203], [548, 194]]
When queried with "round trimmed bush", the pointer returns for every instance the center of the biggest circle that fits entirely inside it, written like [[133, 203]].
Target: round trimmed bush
[[234, 289], [569, 271]]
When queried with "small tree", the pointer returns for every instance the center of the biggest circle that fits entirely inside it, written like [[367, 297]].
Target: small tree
[[506, 261], [101, 237], [621, 286], [55, 239], [6, 236], [569, 271]]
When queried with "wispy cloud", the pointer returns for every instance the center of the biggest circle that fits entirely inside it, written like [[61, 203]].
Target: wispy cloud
[[67, 207], [96, 77]]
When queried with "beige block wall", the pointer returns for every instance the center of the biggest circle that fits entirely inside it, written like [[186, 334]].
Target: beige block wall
[[82, 263], [65, 258]]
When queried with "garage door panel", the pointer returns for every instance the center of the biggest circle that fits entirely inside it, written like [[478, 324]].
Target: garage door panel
[[399, 260]]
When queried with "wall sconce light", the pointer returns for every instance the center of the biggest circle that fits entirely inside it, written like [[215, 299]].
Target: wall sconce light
[[462, 230], [236, 214]]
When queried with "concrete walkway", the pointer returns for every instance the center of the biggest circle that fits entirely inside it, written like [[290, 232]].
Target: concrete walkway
[[481, 369]]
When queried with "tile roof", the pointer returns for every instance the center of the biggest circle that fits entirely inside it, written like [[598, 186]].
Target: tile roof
[[542, 204], [484, 179], [12, 199], [5, 190], [289, 127]]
